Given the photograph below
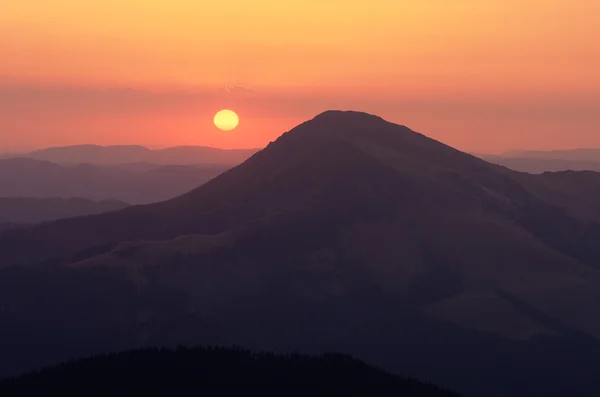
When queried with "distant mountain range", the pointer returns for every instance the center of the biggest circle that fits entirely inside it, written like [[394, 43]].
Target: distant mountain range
[[19, 210], [583, 154], [111, 155], [348, 233], [538, 162], [132, 183]]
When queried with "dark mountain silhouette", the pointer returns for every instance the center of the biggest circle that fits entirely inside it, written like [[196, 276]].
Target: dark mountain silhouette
[[217, 371], [348, 233], [111, 155], [133, 183], [33, 210]]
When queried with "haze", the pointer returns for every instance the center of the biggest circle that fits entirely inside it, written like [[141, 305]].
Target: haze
[[484, 76]]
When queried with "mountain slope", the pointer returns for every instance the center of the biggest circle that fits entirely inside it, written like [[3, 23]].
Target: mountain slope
[[354, 234]]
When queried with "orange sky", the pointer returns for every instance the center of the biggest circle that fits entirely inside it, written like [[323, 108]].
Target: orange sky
[[480, 75]]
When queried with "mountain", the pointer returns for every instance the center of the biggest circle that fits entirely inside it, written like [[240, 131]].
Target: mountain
[[538, 165], [33, 210], [348, 233], [133, 183], [217, 371], [111, 155]]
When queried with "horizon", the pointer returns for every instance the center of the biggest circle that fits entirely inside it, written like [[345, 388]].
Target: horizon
[[484, 77], [8, 150], [153, 148], [26, 149]]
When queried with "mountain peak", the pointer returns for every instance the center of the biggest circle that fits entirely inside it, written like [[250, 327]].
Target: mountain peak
[[346, 115], [346, 119], [335, 125]]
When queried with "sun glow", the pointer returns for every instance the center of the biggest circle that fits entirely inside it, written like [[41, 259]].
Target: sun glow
[[226, 120]]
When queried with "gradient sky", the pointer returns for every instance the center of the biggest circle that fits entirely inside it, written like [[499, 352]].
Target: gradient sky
[[481, 75]]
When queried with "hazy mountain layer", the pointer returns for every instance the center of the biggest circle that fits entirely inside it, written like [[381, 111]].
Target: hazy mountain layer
[[133, 183], [181, 155], [540, 165], [33, 210], [583, 154]]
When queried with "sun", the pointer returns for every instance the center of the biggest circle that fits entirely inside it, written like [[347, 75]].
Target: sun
[[226, 120]]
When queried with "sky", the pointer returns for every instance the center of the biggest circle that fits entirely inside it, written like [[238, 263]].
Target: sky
[[483, 76]]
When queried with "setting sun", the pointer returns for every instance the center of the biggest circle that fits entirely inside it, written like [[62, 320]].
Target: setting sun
[[226, 120]]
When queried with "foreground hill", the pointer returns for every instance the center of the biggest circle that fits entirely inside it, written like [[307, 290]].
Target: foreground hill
[[216, 371], [111, 155], [133, 183], [18, 210], [348, 233]]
